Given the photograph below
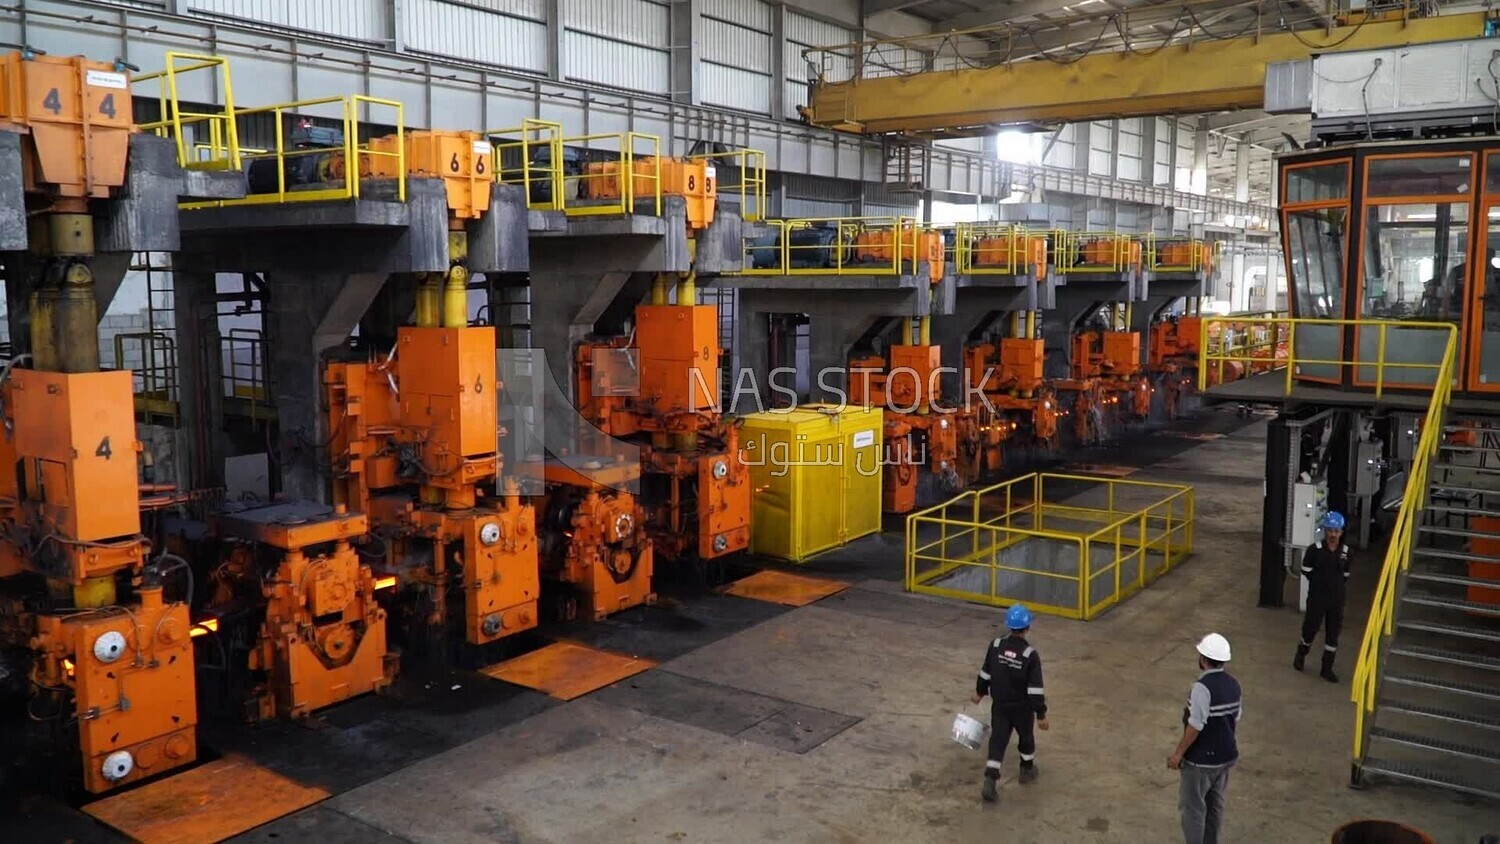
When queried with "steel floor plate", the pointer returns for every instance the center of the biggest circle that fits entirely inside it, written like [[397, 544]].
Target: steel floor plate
[[211, 802], [781, 587], [567, 670]]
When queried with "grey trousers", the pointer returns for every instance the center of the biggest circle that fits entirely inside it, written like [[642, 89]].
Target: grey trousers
[[1201, 801]]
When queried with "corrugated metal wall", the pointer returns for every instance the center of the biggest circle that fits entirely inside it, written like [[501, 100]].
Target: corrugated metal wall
[[512, 33], [619, 43], [1183, 178], [1063, 149], [1131, 152], [735, 55], [803, 32], [363, 20], [1101, 147], [1165, 139]]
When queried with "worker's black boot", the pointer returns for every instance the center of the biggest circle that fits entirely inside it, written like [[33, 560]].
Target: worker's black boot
[[1327, 672], [1028, 772], [989, 792], [1301, 658]]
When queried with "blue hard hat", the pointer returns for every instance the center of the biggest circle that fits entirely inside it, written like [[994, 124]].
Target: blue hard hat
[[1017, 617], [1332, 520]]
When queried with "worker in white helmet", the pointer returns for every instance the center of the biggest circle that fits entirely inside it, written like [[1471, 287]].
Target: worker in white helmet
[[1207, 750]]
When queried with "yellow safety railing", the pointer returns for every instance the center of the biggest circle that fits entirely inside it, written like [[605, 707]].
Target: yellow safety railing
[[1282, 332], [837, 246], [245, 381], [998, 249], [514, 163], [1182, 254], [995, 545], [156, 376], [751, 187], [222, 139], [1098, 252], [618, 186], [1380, 625], [340, 170]]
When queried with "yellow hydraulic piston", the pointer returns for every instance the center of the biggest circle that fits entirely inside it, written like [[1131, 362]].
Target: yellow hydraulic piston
[[659, 286], [456, 298], [687, 289], [428, 298]]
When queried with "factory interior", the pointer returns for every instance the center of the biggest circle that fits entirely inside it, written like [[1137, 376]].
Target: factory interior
[[666, 463]]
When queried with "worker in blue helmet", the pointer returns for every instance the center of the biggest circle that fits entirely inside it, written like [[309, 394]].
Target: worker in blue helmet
[[1011, 676], [1326, 567]]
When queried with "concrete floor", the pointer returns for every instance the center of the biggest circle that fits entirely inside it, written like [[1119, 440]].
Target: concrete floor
[[830, 723]]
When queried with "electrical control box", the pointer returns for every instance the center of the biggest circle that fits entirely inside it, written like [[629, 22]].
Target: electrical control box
[[1309, 503], [1368, 463]]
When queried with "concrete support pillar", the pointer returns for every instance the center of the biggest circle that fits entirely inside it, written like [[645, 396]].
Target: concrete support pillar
[[307, 315], [1148, 151], [555, 32], [685, 51], [779, 107], [200, 379], [1200, 158], [1242, 170]]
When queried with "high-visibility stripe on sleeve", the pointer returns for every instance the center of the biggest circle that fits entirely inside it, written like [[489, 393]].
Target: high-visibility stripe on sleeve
[[1034, 690], [984, 675]]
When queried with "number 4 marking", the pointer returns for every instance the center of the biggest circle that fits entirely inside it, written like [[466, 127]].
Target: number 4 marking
[[52, 102], [107, 106], [103, 450]]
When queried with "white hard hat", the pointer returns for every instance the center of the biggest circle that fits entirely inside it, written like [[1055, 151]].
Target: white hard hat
[[1215, 647]]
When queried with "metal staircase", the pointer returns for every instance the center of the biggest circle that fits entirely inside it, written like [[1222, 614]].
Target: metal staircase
[[1436, 715]]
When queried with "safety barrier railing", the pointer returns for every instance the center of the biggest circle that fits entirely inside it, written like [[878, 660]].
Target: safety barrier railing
[[1097, 252], [999, 249], [322, 173], [534, 160], [995, 545], [245, 382], [222, 140], [1181, 254], [151, 356], [620, 186], [750, 189], [1374, 368], [1378, 629], [840, 246]]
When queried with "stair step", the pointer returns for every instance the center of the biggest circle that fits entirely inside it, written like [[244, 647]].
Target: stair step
[[1396, 770], [1470, 689], [1435, 745], [1481, 721], [1488, 663], [1427, 599], [1448, 531], [1452, 580], [1467, 490], [1460, 511], [1468, 449], [1466, 556], [1449, 630]]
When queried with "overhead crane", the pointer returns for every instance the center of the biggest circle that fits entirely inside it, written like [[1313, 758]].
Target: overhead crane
[[1182, 78]]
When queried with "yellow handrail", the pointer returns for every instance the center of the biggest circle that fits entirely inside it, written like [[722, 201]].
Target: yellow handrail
[[223, 142], [998, 249], [895, 246], [617, 187], [1098, 252], [1181, 254], [751, 187], [1292, 363], [341, 169], [544, 184], [1380, 626]]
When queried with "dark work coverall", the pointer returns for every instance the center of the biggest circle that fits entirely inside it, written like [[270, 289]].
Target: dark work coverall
[[1327, 573], [1012, 676]]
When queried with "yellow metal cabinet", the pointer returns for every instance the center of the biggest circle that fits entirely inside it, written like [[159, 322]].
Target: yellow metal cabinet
[[816, 472]]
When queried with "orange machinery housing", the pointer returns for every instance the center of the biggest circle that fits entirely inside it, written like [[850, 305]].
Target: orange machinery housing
[[322, 637], [901, 248], [106, 650], [414, 440], [1016, 251], [662, 390], [1008, 374], [693, 179], [909, 394]]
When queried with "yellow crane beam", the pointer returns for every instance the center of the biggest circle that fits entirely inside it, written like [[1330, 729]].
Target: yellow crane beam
[[1180, 79]]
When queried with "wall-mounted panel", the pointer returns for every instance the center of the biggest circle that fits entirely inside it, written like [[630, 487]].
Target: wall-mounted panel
[[751, 13], [443, 28], [735, 46], [731, 87], [600, 61], [363, 20], [642, 22]]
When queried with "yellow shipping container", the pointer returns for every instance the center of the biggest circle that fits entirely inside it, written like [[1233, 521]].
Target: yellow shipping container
[[816, 475]]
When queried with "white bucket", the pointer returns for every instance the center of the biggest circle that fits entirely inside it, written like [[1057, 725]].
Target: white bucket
[[967, 731]]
